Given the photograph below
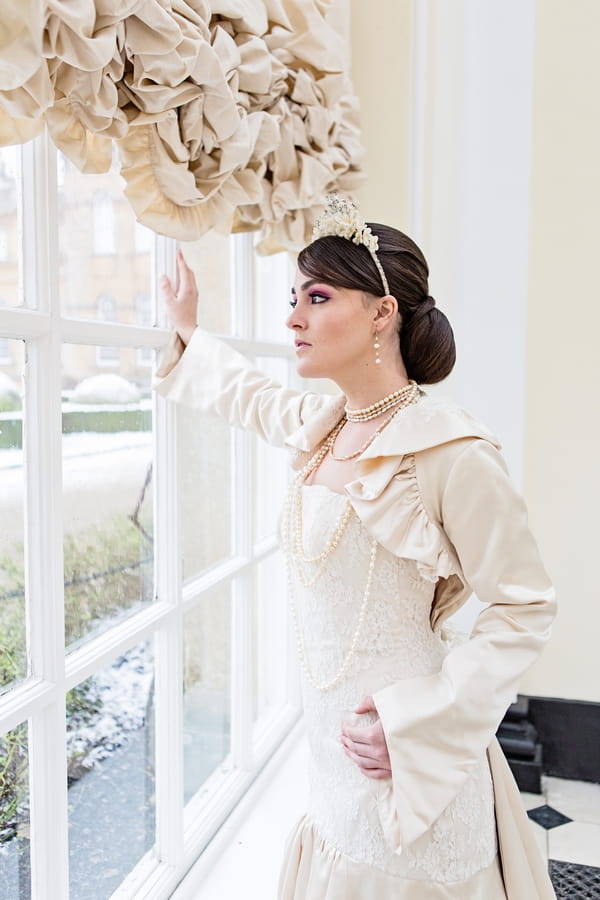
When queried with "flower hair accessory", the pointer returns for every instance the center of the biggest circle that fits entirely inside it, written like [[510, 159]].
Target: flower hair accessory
[[341, 218]]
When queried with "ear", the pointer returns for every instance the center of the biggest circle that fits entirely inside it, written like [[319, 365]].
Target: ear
[[386, 311]]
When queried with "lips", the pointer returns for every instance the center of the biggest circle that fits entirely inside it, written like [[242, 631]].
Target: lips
[[300, 344]]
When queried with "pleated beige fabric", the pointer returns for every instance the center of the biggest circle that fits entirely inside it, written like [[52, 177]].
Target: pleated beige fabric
[[313, 870], [233, 114]]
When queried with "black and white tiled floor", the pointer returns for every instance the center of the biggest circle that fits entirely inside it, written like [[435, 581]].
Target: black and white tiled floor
[[566, 823]]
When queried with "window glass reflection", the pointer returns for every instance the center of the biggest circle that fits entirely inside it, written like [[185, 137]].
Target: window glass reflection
[[205, 475], [10, 174], [104, 252], [107, 489], [13, 655], [207, 662], [110, 766], [15, 868]]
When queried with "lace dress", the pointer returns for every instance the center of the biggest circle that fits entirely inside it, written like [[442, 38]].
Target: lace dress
[[338, 850]]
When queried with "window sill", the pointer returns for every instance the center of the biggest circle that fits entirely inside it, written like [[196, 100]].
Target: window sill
[[246, 853]]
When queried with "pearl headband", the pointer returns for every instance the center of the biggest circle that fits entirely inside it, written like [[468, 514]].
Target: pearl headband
[[341, 218]]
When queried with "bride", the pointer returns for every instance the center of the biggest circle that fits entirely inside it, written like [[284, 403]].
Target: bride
[[400, 507]]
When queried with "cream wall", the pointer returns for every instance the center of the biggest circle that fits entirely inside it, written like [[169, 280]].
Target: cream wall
[[562, 447], [491, 160], [381, 59]]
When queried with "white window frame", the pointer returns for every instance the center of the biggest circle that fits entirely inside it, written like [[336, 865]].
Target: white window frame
[[181, 833]]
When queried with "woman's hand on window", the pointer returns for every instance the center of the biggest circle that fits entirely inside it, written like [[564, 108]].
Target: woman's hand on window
[[182, 300]]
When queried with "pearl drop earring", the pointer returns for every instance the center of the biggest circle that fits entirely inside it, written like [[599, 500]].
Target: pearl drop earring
[[377, 345]]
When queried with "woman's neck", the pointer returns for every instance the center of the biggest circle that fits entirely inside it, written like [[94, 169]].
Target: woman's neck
[[368, 388]]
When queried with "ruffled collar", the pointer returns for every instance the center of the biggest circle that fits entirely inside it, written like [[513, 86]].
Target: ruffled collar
[[428, 423]]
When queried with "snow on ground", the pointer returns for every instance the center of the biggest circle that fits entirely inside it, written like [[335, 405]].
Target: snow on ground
[[125, 691]]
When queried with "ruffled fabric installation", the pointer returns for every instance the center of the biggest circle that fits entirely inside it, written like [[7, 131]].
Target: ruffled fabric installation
[[227, 114]]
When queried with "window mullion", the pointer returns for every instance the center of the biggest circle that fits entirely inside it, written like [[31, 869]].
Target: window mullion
[[242, 669], [168, 710], [169, 654], [44, 580]]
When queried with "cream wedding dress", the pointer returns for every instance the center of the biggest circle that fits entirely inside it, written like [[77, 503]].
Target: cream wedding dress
[[339, 850]]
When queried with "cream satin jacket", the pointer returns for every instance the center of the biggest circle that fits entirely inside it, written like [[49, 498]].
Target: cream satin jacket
[[431, 487]]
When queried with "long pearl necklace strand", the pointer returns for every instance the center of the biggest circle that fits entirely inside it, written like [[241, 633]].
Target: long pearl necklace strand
[[404, 395], [295, 555]]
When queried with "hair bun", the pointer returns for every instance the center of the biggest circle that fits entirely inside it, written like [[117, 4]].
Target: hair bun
[[421, 309]]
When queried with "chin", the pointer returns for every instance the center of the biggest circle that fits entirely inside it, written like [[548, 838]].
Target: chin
[[306, 370]]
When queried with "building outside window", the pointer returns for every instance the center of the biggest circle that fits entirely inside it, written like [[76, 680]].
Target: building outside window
[[103, 223]]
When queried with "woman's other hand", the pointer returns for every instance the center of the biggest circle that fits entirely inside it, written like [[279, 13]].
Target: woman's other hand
[[181, 301], [366, 745]]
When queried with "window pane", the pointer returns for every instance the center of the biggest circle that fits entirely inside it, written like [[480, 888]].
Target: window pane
[[274, 278], [270, 641], [204, 473], [103, 251], [206, 684], [15, 870], [210, 260], [10, 166], [13, 657], [110, 747], [107, 484], [271, 470]]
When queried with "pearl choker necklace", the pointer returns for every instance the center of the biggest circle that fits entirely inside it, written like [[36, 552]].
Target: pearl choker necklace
[[405, 395]]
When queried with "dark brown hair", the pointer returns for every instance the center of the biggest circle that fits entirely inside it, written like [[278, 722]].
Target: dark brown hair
[[426, 338]]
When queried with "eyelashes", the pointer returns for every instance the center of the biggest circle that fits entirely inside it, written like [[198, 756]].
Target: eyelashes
[[316, 298]]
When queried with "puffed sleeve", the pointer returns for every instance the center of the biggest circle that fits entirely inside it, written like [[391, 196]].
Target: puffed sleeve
[[438, 726], [211, 376]]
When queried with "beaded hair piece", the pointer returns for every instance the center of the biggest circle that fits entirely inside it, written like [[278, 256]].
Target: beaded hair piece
[[341, 218]]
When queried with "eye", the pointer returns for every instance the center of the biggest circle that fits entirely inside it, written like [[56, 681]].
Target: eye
[[293, 302], [318, 297]]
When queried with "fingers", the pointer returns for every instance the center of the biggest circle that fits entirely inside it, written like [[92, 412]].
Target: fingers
[[376, 754], [167, 288], [370, 766], [362, 734], [186, 282], [365, 705]]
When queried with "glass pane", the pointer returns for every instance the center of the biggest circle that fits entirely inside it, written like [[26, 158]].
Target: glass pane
[[13, 657], [10, 168], [204, 473], [15, 880], [105, 255], [274, 279], [270, 635], [210, 260], [206, 685], [271, 467], [110, 760], [107, 485]]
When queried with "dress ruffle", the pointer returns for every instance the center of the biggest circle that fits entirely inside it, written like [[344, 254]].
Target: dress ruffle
[[314, 870], [226, 114], [408, 530]]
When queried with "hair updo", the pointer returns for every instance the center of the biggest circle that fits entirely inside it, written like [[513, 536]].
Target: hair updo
[[426, 338]]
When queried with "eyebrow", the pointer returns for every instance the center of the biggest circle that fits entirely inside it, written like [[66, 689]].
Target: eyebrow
[[306, 285]]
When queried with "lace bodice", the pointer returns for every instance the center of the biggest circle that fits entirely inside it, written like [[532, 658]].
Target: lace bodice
[[395, 642]]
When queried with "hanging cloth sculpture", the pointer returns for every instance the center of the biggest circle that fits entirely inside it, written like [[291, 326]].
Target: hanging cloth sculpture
[[227, 114]]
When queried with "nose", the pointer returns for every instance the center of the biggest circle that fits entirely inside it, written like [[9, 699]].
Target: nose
[[294, 320]]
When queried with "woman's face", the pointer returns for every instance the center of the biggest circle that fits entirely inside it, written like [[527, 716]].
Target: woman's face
[[333, 329]]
